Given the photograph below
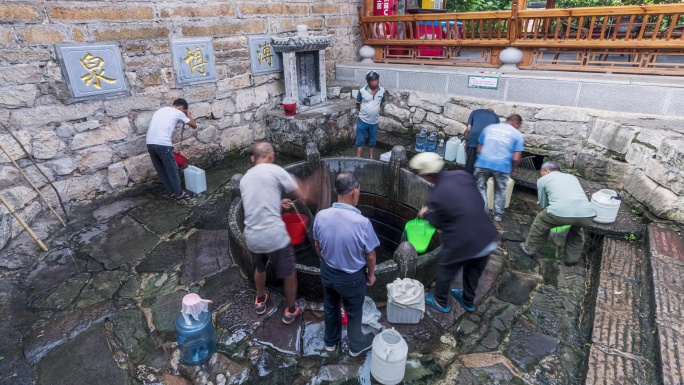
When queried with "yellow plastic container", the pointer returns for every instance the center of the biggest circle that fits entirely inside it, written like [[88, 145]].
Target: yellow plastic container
[[427, 4], [419, 232]]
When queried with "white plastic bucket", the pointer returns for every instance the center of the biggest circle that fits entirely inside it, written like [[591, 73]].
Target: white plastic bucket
[[606, 202], [388, 362]]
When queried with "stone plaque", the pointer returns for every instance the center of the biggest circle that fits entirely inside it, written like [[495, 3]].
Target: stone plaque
[[92, 71], [263, 58], [194, 61]]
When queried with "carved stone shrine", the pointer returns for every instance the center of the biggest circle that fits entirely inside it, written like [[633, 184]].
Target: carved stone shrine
[[304, 67]]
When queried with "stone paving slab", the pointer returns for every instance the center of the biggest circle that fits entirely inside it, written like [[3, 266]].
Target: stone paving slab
[[160, 216], [85, 360], [49, 335], [119, 241], [206, 253], [279, 336], [666, 247]]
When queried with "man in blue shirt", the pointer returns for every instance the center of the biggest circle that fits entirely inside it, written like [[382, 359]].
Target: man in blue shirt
[[500, 149], [477, 121], [345, 241], [369, 101]]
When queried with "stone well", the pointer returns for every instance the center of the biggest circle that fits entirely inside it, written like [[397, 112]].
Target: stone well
[[390, 196]]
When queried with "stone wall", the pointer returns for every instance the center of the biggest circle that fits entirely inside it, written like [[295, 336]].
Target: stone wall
[[641, 155], [95, 148]]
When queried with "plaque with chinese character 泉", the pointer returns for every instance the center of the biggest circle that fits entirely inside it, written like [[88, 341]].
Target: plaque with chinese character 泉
[[193, 61], [262, 56], [92, 71]]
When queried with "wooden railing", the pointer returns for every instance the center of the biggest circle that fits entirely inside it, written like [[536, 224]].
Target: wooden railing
[[641, 35]]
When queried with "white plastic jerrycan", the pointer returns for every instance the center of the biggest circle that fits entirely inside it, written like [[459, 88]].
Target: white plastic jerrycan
[[388, 362], [452, 149], [195, 179]]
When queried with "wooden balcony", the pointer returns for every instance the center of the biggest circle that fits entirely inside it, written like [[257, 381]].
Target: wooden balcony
[[632, 39]]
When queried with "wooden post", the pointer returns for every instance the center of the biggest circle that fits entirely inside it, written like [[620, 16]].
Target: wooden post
[[513, 24], [368, 7], [550, 4]]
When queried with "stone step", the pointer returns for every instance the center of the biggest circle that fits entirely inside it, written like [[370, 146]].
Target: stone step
[[620, 350], [666, 251]]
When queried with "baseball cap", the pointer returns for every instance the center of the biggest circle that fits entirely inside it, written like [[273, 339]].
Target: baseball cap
[[427, 163]]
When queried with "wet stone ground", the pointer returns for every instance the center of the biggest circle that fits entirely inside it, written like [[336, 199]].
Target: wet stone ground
[[99, 307]]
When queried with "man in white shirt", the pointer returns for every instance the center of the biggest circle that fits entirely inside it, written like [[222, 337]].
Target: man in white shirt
[[265, 234], [160, 148]]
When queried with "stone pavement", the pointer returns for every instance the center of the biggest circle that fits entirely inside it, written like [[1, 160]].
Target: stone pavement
[[100, 306]]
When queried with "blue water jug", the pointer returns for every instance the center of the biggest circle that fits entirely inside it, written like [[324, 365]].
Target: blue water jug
[[195, 331], [431, 142], [420, 141]]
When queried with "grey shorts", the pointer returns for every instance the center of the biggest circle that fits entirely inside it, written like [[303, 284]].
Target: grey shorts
[[283, 261]]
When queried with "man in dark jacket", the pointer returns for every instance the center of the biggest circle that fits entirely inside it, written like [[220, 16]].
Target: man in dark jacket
[[468, 236]]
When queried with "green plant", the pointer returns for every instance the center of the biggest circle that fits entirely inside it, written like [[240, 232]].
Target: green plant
[[634, 212], [630, 238]]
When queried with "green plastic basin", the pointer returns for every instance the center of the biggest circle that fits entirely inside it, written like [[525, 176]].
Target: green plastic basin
[[419, 232]]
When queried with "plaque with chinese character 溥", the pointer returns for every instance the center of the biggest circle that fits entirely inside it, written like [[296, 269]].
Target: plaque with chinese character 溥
[[262, 56], [193, 61], [92, 71]]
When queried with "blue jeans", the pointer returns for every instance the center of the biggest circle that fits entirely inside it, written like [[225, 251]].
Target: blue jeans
[[364, 129], [351, 290], [165, 164], [500, 180]]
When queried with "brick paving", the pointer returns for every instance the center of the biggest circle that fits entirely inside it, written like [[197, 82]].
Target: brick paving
[[666, 248], [619, 353]]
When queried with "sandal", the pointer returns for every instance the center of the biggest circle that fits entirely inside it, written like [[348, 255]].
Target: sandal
[[432, 302], [184, 195]]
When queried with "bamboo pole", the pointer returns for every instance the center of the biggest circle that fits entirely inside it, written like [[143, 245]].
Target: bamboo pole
[[23, 224], [32, 185]]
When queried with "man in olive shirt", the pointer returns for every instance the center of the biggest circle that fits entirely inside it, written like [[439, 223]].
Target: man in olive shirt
[[564, 203]]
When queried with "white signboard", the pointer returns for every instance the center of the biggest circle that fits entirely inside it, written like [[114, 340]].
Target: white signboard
[[491, 82]]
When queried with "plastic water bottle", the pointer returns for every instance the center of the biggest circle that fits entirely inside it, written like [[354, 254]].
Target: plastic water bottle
[[195, 331], [440, 148], [420, 141], [431, 142]]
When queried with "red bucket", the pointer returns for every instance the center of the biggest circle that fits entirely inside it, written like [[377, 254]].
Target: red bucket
[[296, 227], [290, 108]]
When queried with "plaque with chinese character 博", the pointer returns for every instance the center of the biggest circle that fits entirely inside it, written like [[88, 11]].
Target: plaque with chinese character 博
[[92, 71], [193, 61], [262, 56]]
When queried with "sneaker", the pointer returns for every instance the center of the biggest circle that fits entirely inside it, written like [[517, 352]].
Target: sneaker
[[260, 307], [524, 250], [330, 348], [356, 354], [458, 296], [288, 317], [497, 217]]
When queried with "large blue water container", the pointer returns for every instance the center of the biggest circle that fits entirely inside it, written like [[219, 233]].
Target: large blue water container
[[195, 340]]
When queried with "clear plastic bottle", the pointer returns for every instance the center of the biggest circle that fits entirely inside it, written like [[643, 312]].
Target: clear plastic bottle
[[431, 142], [441, 147], [195, 331], [420, 141]]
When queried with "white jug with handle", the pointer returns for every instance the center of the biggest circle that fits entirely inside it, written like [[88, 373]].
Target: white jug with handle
[[606, 202], [388, 363]]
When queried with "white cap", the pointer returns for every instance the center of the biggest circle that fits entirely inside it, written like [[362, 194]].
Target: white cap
[[427, 163]]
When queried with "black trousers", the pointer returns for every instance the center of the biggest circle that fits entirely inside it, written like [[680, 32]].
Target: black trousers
[[350, 289], [471, 157], [472, 271]]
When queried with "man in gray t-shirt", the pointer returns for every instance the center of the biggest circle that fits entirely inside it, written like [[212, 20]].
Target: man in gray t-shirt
[[564, 203], [265, 234]]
